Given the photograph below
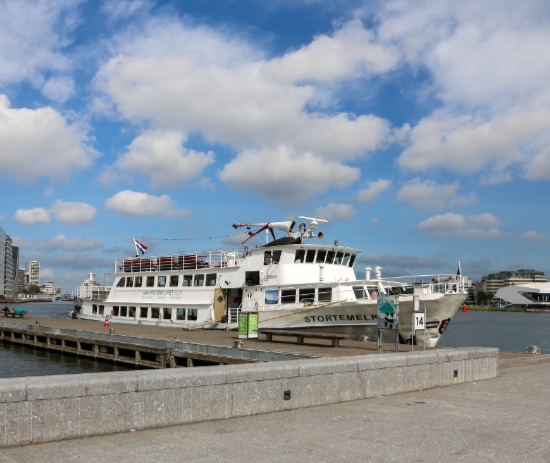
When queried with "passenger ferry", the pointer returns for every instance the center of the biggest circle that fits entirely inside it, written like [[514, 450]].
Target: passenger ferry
[[290, 283]]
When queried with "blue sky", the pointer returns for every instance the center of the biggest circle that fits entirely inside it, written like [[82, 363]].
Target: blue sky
[[420, 130]]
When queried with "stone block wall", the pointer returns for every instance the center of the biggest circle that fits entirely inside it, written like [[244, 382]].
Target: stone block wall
[[49, 408]]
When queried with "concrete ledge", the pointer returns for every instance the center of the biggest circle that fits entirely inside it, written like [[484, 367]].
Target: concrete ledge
[[62, 407]]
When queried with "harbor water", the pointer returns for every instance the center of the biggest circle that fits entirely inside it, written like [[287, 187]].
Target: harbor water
[[509, 331], [18, 361]]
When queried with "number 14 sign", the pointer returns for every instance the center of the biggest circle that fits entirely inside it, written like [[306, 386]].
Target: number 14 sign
[[419, 321]]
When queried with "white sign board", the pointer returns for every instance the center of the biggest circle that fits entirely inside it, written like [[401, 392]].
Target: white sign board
[[419, 321]]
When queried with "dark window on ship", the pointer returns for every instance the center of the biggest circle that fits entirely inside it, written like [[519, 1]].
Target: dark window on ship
[[300, 256], [174, 280], [306, 295], [129, 282], [325, 294], [346, 259], [321, 257], [252, 278], [192, 314], [339, 257], [138, 282], [351, 260], [180, 314], [330, 257], [155, 312], [162, 280], [167, 313], [187, 280], [115, 311], [288, 296], [94, 308], [199, 280], [123, 311], [310, 256], [211, 279], [150, 282], [359, 292], [121, 282], [132, 312], [101, 309], [267, 257], [277, 256], [143, 312]]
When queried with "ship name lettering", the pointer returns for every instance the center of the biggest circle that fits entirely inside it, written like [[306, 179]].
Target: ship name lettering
[[163, 292], [339, 317]]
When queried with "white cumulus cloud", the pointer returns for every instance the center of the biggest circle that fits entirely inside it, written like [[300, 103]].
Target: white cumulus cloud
[[161, 156], [459, 226], [285, 174], [35, 216], [41, 143], [335, 211], [71, 213], [76, 244], [373, 190], [428, 195], [138, 204]]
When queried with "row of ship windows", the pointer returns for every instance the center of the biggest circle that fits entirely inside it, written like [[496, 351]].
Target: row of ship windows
[[305, 295], [151, 313], [161, 281], [322, 256]]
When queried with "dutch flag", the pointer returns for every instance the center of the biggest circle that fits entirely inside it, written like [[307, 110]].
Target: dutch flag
[[139, 247]]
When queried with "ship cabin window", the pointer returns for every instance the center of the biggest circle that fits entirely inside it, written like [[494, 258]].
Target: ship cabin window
[[351, 260], [94, 308], [138, 282], [192, 314], [338, 258], [121, 282], [252, 278], [155, 312], [132, 312], [300, 256], [161, 280], [180, 314], [150, 282], [174, 280], [167, 313], [325, 294], [310, 256], [123, 311], [321, 256], [330, 257], [306, 295], [101, 309], [187, 280], [288, 296], [211, 279], [359, 292], [345, 261], [143, 312], [272, 257], [199, 280], [115, 311], [129, 282]]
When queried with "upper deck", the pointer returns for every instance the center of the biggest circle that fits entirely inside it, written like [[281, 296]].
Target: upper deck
[[209, 259]]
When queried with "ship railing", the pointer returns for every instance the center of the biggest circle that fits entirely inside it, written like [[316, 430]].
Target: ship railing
[[426, 284], [208, 259]]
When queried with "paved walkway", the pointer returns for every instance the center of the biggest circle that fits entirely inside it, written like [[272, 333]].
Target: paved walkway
[[505, 419]]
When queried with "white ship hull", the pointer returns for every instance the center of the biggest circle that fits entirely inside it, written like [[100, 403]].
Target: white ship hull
[[290, 284]]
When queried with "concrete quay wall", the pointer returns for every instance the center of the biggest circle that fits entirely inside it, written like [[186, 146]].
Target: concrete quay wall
[[40, 409]]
